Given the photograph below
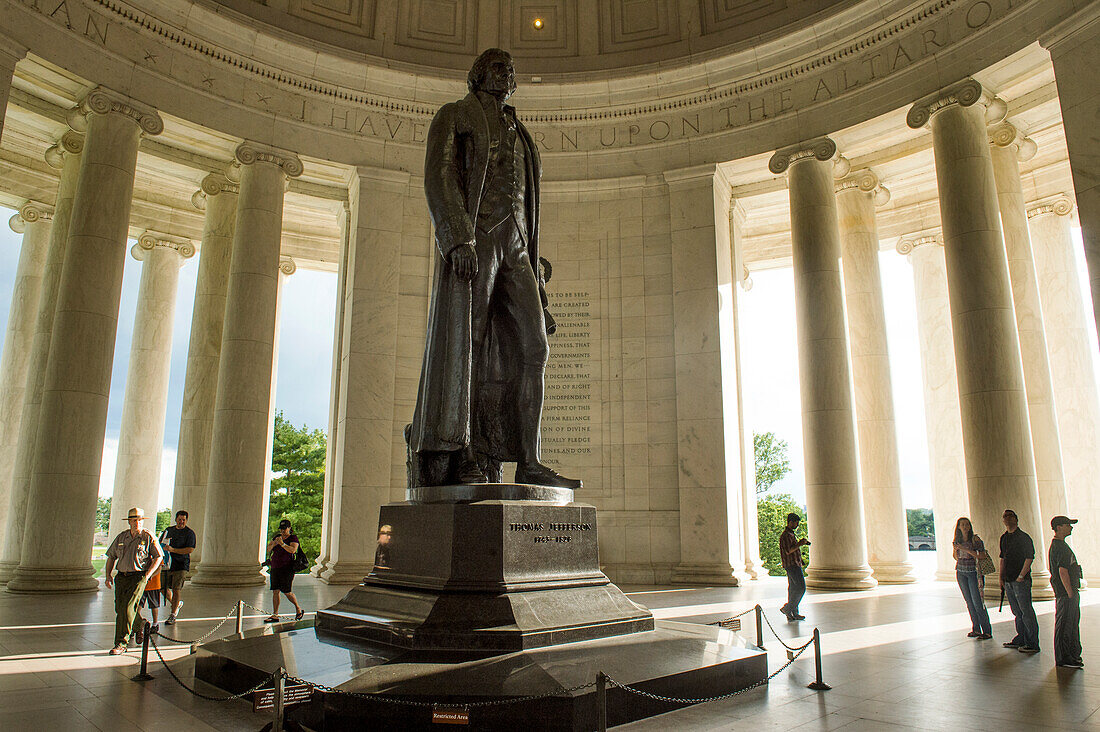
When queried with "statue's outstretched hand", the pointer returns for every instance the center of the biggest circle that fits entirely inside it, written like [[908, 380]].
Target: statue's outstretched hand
[[464, 261]]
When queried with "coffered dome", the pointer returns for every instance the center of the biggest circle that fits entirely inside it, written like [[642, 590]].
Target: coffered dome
[[545, 36]]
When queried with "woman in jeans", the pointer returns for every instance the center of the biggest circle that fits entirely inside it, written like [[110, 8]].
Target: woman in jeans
[[967, 547]]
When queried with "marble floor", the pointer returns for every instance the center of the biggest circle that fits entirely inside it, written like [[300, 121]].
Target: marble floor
[[896, 657]]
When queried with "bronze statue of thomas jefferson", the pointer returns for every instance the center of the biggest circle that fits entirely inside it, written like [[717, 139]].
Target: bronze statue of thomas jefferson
[[481, 385]]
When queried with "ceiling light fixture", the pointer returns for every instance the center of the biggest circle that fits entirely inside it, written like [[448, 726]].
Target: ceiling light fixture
[[537, 23]]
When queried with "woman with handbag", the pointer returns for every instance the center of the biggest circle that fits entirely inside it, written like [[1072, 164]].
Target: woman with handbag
[[283, 547], [971, 561]]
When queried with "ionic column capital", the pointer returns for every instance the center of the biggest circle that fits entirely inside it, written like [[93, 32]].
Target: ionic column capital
[[964, 93], [29, 213], [1060, 205], [287, 266], [1006, 134], [151, 240], [866, 181], [819, 148], [908, 243], [212, 185], [249, 152], [104, 101], [71, 143]]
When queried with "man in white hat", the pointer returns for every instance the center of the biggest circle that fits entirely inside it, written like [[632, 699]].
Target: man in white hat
[[137, 555]]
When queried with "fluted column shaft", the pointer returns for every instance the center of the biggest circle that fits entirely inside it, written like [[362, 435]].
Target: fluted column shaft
[[69, 449], [1000, 469], [838, 557], [66, 155], [145, 404], [328, 519], [1045, 442], [708, 450], [1067, 321], [942, 420], [200, 386], [33, 221], [880, 475], [237, 487], [361, 482], [1074, 46]]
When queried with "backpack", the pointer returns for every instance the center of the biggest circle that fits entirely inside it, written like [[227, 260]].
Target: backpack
[[301, 561]]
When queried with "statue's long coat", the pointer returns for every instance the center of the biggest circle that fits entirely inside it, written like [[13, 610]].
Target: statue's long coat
[[454, 175]]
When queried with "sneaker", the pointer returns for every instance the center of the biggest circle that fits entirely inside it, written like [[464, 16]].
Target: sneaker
[[1071, 664], [796, 616], [1011, 644], [118, 650], [154, 628], [1027, 649], [171, 620], [985, 636], [139, 635], [973, 634]]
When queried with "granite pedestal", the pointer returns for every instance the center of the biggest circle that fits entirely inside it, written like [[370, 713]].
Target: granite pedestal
[[488, 593]]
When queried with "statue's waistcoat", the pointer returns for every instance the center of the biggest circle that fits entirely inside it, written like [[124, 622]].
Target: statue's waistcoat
[[503, 195]]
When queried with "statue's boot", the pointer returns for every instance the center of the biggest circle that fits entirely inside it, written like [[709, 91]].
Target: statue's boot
[[539, 474], [469, 473]]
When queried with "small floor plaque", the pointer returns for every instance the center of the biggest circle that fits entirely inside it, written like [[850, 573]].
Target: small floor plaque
[[292, 694], [450, 715]]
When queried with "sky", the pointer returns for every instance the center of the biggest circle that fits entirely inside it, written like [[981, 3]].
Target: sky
[[769, 355]]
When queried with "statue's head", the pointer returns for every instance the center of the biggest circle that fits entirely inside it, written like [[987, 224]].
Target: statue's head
[[493, 72]]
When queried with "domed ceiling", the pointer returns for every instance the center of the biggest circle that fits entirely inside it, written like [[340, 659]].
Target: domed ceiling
[[544, 36]]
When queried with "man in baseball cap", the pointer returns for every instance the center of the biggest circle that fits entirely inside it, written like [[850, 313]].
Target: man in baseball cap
[[1065, 579]]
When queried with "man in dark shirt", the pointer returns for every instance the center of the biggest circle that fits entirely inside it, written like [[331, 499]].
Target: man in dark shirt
[[1065, 579], [1017, 554], [179, 542], [790, 554]]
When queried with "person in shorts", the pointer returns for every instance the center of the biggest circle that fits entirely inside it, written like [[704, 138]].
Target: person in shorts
[[282, 548], [178, 542]]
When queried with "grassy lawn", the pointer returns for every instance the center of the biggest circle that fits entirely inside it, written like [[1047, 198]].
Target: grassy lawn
[[98, 560]]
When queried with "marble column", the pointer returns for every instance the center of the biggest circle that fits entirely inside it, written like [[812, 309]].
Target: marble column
[[336, 377], [1008, 146], [880, 475], [145, 404], [1000, 469], [942, 420], [33, 222], [66, 155], [708, 437], [1074, 46], [362, 470], [60, 517], [1067, 321], [742, 283], [237, 486], [218, 197], [834, 510], [287, 267], [10, 54]]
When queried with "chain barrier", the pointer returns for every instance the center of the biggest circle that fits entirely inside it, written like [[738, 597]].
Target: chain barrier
[[197, 641], [270, 677], [701, 700], [731, 618], [772, 629]]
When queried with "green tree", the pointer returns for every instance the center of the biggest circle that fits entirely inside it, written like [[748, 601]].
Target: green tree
[[770, 455], [919, 522], [164, 520], [297, 490], [103, 514], [772, 512]]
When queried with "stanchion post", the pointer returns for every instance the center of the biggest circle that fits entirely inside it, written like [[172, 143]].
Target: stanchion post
[[277, 724], [601, 701], [143, 674], [817, 684], [240, 616], [760, 627]]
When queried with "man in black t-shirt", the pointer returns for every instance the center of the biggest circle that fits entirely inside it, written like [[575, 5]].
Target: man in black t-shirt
[[1017, 554], [178, 542], [1065, 579]]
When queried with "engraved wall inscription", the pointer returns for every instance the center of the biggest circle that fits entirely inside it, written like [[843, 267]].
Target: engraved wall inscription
[[570, 402]]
